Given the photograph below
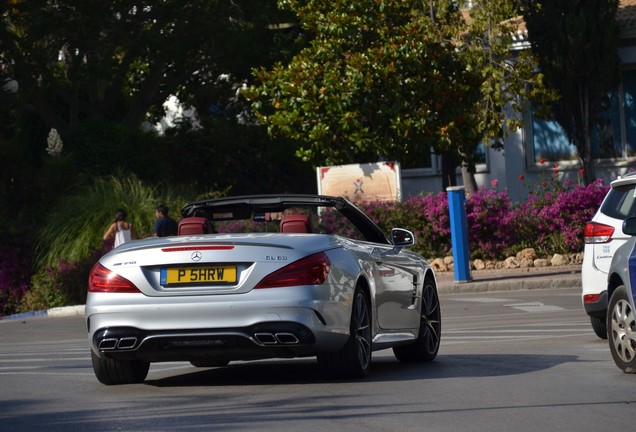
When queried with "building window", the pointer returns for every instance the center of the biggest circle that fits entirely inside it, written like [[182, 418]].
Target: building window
[[550, 142], [629, 111], [606, 137], [480, 154], [423, 159]]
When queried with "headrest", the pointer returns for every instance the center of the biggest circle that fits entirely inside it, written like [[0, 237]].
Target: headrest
[[194, 225], [295, 223]]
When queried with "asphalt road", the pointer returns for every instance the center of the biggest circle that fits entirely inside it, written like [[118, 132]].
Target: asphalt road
[[513, 361]]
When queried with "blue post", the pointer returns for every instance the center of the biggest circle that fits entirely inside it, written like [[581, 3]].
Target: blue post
[[459, 232]]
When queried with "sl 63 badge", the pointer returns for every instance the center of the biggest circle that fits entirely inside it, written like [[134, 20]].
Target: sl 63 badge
[[275, 258]]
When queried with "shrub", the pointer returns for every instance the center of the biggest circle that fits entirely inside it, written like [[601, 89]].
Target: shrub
[[75, 227], [551, 220], [490, 220], [426, 215], [15, 272], [571, 210], [62, 284], [44, 293], [428, 218], [71, 241]]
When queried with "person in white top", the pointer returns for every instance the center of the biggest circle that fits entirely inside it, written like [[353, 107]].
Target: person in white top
[[120, 231]]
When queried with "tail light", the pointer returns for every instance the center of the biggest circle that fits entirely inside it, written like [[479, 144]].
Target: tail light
[[591, 298], [598, 233], [311, 270], [103, 280]]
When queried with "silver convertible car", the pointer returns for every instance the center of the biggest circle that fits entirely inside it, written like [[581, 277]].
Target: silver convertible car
[[256, 277]]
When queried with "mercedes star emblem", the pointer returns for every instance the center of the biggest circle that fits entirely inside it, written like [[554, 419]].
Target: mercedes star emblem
[[196, 256]]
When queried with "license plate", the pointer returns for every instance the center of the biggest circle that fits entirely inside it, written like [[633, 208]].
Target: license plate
[[198, 275]]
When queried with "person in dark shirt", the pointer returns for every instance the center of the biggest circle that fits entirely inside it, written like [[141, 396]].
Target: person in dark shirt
[[164, 224]]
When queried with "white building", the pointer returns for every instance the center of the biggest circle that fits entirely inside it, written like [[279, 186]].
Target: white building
[[532, 155]]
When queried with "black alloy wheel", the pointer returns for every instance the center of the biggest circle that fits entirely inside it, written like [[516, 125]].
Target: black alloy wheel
[[426, 346]]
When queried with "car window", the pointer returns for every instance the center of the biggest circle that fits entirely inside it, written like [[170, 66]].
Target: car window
[[333, 222], [620, 202], [322, 221]]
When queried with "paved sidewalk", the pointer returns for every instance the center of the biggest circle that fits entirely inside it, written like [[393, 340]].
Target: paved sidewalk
[[510, 280]]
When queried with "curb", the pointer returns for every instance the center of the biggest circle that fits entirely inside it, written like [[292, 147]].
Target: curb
[[64, 311], [508, 285]]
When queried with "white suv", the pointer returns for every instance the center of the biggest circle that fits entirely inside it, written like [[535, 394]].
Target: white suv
[[603, 235]]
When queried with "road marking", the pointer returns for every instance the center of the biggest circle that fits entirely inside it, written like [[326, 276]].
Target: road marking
[[19, 368], [534, 307], [481, 299], [459, 340], [47, 360], [517, 331], [48, 373]]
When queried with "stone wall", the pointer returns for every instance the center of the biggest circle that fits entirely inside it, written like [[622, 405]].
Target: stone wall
[[527, 258]]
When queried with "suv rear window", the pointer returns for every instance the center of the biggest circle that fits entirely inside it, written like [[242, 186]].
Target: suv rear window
[[620, 202]]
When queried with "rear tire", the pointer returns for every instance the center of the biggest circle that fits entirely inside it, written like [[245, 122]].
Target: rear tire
[[426, 346], [353, 360], [112, 372], [621, 323], [599, 325]]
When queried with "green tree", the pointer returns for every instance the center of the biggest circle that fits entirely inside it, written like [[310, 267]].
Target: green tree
[[576, 42], [508, 76], [379, 80], [505, 73], [79, 59], [96, 70]]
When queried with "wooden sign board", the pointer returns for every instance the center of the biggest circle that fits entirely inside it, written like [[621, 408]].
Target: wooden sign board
[[380, 181]]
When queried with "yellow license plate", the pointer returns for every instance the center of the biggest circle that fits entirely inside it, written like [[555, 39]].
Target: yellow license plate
[[198, 275]]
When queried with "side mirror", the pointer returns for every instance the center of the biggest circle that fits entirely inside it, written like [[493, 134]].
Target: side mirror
[[403, 238], [629, 226]]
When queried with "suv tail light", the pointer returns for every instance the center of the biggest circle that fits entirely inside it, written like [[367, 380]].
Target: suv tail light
[[591, 298], [311, 270], [103, 280], [598, 233]]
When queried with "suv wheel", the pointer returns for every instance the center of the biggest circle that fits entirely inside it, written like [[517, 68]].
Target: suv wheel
[[599, 325], [621, 323]]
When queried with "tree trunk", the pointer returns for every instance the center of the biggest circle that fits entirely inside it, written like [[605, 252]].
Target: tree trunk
[[587, 161], [449, 165], [468, 177], [584, 146]]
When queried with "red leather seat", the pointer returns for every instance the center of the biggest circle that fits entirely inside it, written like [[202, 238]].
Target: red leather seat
[[295, 223], [194, 226]]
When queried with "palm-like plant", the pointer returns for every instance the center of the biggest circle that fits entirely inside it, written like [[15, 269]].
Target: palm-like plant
[[74, 229]]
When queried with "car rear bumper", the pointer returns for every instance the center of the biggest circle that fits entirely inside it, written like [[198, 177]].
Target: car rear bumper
[[265, 323], [263, 340], [593, 279], [596, 307], [594, 288]]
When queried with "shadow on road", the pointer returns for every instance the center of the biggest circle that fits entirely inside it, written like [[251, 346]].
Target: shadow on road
[[306, 371]]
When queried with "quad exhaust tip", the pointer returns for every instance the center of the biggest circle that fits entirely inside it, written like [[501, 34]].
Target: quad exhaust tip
[[276, 338], [262, 338], [124, 343], [127, 343]]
